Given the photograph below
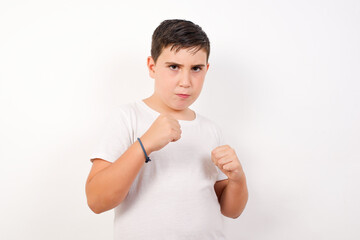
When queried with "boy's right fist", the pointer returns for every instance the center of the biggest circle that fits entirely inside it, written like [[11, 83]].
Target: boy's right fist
[[163, 130]]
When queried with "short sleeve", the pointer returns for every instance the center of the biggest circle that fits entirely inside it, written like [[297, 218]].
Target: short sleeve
[[221, 141], [115, 138]]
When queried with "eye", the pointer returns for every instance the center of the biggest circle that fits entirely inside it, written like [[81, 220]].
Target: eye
[[173, 67], [197, 69]]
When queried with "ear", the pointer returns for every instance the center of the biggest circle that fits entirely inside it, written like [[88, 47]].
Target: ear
[[151, 66], [207, 67]]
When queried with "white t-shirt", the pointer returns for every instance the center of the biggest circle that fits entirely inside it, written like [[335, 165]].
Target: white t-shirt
[[173, 195]]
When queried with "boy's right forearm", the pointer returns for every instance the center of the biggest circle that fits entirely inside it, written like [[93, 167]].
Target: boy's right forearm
[[109, 187]]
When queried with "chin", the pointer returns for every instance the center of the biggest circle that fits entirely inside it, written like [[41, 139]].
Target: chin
[[183, 106], [179, 108], [177, 105]]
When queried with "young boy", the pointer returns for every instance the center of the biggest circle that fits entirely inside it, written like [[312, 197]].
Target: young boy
[[162, 166]]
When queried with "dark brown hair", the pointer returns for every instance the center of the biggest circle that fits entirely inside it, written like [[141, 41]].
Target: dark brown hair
[[179, 34]]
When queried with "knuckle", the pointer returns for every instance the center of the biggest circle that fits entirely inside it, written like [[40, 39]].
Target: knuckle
[[215, 150]]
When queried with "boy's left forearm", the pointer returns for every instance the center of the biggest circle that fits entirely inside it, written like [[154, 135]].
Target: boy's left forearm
[[234, 198]]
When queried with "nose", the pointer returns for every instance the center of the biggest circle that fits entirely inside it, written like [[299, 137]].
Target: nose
[[185, 80]]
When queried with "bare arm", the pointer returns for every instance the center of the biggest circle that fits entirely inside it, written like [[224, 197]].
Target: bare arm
[[101, 191], [234, 198]]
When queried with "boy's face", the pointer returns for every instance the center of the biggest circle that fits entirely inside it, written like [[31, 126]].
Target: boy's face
[[179, 77]]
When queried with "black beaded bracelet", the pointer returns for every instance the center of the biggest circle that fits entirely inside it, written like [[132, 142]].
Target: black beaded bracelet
[[147, 159]]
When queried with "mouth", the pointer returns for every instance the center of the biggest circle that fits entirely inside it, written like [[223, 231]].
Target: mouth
[[183, 95]]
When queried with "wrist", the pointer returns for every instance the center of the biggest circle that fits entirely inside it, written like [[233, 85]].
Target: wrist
[[240, 179], [147, 144]]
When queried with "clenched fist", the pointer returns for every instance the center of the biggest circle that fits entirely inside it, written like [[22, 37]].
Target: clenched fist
[[225, 158], [164, 129]]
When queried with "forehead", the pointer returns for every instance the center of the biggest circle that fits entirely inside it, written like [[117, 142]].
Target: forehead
[[183, 55]]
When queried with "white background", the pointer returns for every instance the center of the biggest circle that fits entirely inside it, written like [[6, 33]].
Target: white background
[[283, 83]]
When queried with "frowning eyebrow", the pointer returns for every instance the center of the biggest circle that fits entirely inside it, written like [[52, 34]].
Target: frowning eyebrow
[[181, 65]]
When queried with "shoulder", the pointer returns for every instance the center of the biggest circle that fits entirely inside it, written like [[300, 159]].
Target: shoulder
[[124, 107], [124, 112], [209, 123], [212, 128]]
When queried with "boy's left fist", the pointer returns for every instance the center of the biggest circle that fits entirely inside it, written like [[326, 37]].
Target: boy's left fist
[[225, 158]]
